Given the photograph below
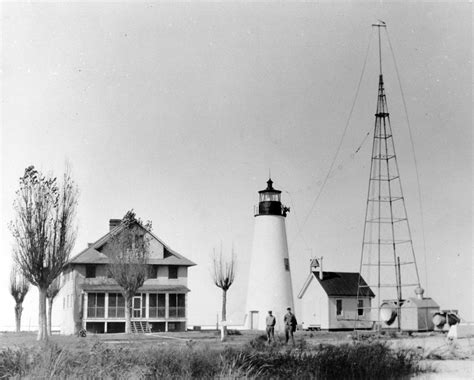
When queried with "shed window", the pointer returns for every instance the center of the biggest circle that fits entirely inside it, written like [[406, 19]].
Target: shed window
[[90, 271], [338, 307], [173, 272], [360, 307]]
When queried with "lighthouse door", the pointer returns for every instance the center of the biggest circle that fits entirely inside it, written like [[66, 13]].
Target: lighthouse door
[[254, 320]]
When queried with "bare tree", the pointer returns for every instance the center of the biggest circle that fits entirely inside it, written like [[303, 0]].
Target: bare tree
[[44, 232], [19, 286], [223, 276], [53, 290], [128, 252]]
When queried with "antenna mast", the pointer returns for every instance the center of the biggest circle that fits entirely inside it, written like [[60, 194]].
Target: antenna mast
[[387, 263]]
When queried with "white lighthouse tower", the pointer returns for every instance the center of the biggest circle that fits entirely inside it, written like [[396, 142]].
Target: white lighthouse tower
[[269, 285]]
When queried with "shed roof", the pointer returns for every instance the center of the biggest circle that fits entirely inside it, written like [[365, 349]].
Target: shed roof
[[339, 284]]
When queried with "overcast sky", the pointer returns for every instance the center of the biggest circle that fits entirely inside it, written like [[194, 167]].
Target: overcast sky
[[179, 111]]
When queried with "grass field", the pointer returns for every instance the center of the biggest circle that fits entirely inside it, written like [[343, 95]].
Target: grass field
[[189, 355]]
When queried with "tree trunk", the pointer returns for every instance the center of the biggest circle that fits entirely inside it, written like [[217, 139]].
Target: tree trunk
[[42, 329], [50, 308], [128, 323], [18, 311], [224, 315]]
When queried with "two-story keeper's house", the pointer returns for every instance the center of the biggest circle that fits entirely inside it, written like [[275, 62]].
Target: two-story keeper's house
[[91, 300]]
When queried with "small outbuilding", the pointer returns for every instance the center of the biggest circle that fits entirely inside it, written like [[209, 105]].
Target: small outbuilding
[[417, 313], [329, 301]]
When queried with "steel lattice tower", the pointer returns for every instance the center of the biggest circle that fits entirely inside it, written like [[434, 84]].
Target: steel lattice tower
[[388, 262]]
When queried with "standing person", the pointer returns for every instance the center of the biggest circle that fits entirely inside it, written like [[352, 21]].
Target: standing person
[[290, 326], [270, 321]]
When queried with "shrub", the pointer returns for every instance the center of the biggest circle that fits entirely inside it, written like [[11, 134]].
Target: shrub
[[360, 360], [13, 362]]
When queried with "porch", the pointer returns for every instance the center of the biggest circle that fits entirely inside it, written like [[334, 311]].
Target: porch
[[151, 311]]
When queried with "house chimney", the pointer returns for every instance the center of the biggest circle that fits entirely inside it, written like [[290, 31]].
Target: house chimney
[[321, 268], [114, 223]]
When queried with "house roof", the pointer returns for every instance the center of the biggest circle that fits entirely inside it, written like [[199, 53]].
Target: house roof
[[338, 284], [146, 288], [92, 255]]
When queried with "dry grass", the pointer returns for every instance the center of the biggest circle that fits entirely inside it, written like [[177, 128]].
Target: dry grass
[[202, 355]]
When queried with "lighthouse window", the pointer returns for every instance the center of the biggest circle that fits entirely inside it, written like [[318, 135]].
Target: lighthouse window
[[287, 264], [272, 197]]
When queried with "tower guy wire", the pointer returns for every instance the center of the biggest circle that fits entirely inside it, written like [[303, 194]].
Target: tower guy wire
[[336, 154]]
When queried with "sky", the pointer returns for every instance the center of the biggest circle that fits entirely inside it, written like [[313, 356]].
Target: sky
[[180, 111]]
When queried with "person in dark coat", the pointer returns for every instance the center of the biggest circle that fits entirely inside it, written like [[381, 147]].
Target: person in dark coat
[[290, 326]]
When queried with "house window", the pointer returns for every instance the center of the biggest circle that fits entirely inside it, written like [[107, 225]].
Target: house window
[[153, 271], [360, 307], [339, 307], [116, 305], [157, 305], [95, 305], [177, 305], [90, 271], [172, 272], [287, 264]]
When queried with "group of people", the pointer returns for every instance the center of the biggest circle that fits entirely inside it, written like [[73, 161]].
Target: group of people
[[289, 320]]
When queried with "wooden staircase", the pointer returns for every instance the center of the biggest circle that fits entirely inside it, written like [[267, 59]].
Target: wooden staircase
[[140, 327]]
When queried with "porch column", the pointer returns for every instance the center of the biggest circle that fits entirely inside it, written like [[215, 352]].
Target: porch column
[[167, 310], [185, 311], [84, 312], [106, 311], [147, 309], [106, 305]]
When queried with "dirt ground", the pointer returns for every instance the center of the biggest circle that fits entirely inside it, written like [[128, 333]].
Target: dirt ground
[[449, 359]]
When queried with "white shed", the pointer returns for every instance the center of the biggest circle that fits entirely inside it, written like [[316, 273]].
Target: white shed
[[329, 301]]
